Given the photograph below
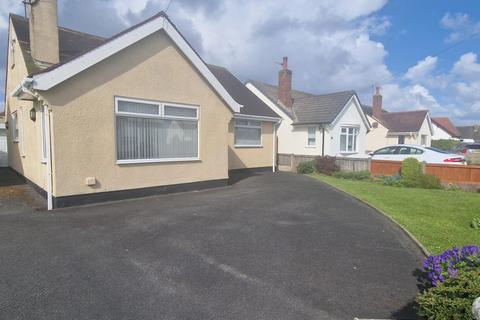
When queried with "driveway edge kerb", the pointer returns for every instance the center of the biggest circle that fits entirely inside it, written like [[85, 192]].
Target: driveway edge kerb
[[408, 233]]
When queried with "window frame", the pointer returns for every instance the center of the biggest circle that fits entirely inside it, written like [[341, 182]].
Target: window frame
[[15, 129], [247, 126], [314, 145], [160, 115], [422, 138], [12, 50], [347, 134]]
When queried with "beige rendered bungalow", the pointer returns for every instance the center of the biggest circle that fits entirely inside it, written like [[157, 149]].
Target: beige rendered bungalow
[[92, 119]]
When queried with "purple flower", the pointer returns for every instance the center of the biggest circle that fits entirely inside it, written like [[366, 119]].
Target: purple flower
[[445, 265]]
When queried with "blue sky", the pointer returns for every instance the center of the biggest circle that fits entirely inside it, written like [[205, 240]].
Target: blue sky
[[332, 44]]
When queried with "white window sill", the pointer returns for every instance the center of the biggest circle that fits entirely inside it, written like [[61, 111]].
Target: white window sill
[[143, 161], [348, 152], [310, 147], [43, 161], [248, 146]]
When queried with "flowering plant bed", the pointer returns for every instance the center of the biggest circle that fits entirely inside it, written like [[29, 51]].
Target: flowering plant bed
[[447, 264], [452, 283]]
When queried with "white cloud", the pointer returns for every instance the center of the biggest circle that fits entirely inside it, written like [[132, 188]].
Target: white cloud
[[422, 70], [460, 25], [410, 97], [467, 67], [7, 7]]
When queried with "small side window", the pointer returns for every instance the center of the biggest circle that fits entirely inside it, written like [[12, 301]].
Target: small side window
[[12, 52]]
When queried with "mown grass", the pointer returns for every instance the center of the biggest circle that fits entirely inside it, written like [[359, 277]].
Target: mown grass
[[439, 219]]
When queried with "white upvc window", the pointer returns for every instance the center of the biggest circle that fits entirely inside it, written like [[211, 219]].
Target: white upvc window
[[423, 140], [348, 139], [311, 137], [248, 133], [12, 52], [43, 122], [151, 131], [14, 127]]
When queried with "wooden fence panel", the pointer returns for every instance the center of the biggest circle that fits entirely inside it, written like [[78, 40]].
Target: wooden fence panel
[[353, 164], [385, 168], [455, 173]]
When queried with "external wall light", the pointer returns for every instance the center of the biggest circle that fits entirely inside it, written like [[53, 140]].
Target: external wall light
[[33, 114]]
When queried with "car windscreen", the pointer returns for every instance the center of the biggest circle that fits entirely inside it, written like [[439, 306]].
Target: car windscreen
[[473, 146], [436, 150]]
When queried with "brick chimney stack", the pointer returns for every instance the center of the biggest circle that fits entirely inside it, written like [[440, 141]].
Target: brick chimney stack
[[377, 104], [44, 31], [285, 84]]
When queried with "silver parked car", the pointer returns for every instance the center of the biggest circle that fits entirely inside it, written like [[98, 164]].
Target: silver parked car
[[401, 152]]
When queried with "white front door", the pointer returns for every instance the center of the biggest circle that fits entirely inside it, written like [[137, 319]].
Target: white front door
[[3, 148]]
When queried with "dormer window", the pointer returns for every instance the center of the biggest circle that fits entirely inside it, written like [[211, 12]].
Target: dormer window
[[12, 52]]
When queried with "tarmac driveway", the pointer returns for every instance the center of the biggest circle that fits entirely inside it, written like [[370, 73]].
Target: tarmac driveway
[[271, 246]]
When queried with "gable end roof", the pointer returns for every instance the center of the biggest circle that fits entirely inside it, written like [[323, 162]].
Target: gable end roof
[[310, 108], [405, 121], [447, 125], [58, 73]]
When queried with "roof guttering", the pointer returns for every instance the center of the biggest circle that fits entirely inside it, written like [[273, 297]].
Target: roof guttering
[[50, 78], [254, 117], [25, 91]]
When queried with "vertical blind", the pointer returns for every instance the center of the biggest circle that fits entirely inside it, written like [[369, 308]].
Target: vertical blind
[[248, 133], [141, 136]]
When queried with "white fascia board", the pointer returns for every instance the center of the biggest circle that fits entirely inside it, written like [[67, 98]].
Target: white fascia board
[[49, 79], [359, 109], [268, 101], [259, 118]]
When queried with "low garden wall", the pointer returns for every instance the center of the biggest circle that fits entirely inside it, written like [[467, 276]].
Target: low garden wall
[[459, 174], [290, 162]]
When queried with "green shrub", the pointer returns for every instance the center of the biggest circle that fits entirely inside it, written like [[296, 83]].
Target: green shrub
[[429, 181], [411, 170], [393, 181], [306, 167], [326, 165], [444, 144], [353, 175], [475, 224], [412, 176], [452, 299]]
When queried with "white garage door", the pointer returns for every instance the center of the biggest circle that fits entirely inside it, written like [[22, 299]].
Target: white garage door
[[3, 148]]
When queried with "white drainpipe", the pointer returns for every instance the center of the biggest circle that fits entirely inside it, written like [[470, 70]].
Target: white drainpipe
[[46, 111], [274, 155]]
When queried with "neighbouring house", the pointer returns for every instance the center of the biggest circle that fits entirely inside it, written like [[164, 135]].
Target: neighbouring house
[[444, 129], [390, 128], [470, 132], [93, 119], [3, 142], [331, 124]]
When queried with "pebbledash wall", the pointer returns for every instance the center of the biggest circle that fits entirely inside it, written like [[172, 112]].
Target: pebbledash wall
[[83, 120]]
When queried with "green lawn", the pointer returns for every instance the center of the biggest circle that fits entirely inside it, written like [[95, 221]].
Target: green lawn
[[438, 219]]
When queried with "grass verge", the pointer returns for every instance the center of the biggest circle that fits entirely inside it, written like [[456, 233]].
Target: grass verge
[[439, 219]]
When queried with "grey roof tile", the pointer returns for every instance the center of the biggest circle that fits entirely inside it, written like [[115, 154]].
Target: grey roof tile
[[309, 108]]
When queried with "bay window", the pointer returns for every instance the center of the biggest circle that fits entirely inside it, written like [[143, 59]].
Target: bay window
[[149, 131], [248, 133], [348, 139]]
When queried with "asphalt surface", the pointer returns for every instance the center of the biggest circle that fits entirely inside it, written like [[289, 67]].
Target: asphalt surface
[[271, 246]]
